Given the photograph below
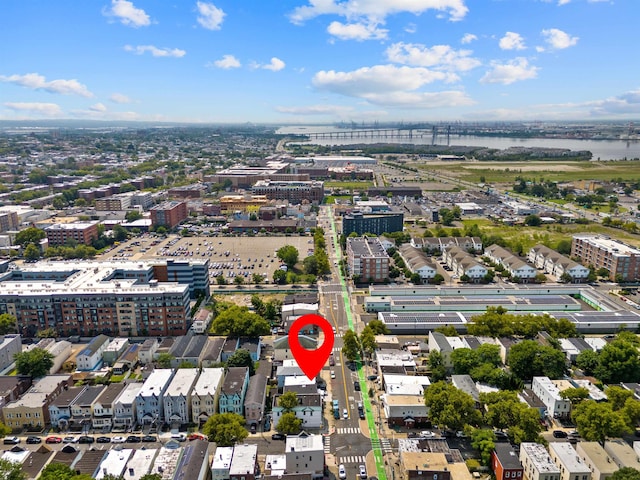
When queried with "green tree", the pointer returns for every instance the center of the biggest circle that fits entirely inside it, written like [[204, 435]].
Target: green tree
[[483, 440], [310, 265], [35, 363], [4, 430], [533, 220], [133, 215], [257, 278], [447, 330], [220, 280], [597, 421], [7, 324], [588, 361], [528, 359], [619, 362], [351, 345], [11, 470], [464, 360], [288, 401], [378, 327], [288, 254], [626, 473], [31, 252], [120, 234], [238, 280], [225, 429], [280, 277], [618, 396], [289, 424], [242, 358], [368, 341], [151, 476], [436, 366], [165, 359], [575, 395], [57, 471], [238, 321], [450, 407], [29, 235]]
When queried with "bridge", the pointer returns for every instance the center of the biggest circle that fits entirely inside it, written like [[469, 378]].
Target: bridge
[[408, 132]]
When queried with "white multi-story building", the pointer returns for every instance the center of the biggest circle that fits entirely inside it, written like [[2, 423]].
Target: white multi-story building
[[305, 454], [91, 356], [537, 463], [149, 405], [177, 397], [309, 410], [221, 463], [204, 396], [516, 267], [548, 392], [124, 406], [570, 464], [10, 344]]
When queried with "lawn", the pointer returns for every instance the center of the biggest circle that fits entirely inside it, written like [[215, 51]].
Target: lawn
[[355, 185]]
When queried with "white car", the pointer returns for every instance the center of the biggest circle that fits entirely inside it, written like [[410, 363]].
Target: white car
[[342, 472], [427, 434], [333, 374], [345, 413], [69, 440], [118, 440], [363, 472]]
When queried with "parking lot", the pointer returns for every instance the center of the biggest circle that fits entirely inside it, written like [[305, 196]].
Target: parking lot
[[228, 256]]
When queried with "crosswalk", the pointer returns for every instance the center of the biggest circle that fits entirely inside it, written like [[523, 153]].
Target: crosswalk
[[351, 459], [342, 431], [383, 444], [327, 444]]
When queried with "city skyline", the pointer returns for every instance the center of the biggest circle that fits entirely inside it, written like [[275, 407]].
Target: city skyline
[[319, 61]]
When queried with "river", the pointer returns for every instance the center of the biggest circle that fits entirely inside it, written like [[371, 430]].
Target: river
[[601, 149]]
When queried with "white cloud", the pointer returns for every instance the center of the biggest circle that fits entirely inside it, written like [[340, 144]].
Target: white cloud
[[411, 28], [376, 10], [98, 107], [557, 39], [155, 51], [36, 81], [356, 31], [119, 98], [510, 72], [441, 57], [316, 110], [127, 14], [48, 109], [210, 16], [226, 62], [512, 41], [421, 100], [275, 65], [627, 103], [468, 38]]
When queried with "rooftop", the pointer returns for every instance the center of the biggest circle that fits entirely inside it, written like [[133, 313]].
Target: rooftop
[[539, 457]]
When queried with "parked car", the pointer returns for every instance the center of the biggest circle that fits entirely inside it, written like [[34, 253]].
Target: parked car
[[333, 374], [559, 434], [11, 440], [427, 434], [70, 439], [342, 472], [133, 439], [356, 386], [181, 437], [86, 439], [278, 436], [31, 439], [363, 472], [197, 436], [149, 438], [53, 440], [345, 413], [103, 439], [118, 439]]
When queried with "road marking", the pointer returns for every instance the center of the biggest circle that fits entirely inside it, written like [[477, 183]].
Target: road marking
[[344, 430], [327, 444], [352, 459]]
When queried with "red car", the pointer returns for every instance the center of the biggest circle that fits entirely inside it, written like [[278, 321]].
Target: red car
[[53, 440], [197, 436]]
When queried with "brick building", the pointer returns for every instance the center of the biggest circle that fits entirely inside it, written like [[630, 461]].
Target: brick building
[[367, 259], [621, 260], [83, 233], [169, 214]]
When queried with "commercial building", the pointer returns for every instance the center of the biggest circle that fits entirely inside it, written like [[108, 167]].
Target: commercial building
[[79, 233], [149, 404], [548, 392], [375, 224], [169, 214], [367, 259], [537, 463], [243, 203], [294, 191], [621, 261], [89, 298], [505, 462], [570, 464]]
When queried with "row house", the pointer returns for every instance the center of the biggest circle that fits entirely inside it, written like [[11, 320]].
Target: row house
[[571, 466], [505, 462], [60, 408], [440, 244], [149, 404], [103, 408], [309, 410], [254, 399], [305, 455], [463, 263], [517, 268], [536, 462], [556, 264], [177, 397], [82, 407], [204, 396], [418, 262], [124, 407], [597, 460], [233, 390], [548, 392]]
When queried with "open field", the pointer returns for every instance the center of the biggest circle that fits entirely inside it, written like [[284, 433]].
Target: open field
[[499, 172], [355, 185]]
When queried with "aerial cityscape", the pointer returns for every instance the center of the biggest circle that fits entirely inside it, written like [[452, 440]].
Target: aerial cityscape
[[319, 240]]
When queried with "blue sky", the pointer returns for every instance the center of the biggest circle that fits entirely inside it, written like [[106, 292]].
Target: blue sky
[[316, 61]]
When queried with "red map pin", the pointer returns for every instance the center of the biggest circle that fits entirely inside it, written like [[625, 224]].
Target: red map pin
[[311, 361]]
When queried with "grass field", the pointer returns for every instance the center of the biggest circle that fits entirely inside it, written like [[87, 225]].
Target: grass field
[[501, 172], [355, 185]]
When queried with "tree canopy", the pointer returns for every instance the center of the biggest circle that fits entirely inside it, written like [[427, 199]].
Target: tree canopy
[[597, 421], [626, 473], [11, 470], [238, 321], [450, 407], [619, 361], [35, 362], [497, 322], [529, 359], [31, 235], [7, 324], [242, 358], [289, 424], [288, 254], [225, 429], [351, 345]]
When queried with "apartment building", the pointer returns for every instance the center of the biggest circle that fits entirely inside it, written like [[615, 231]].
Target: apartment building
[[113, 203], [9, 221], [293, 191], [204, 396], [10, 344], [169, 214], [418, 261], [621, 260], [548, 392], [440, 244], [556, 264], [79, 233], [463, 263], [536, 463], [149, 404], [571, 466], [375, 224], [367, 259], [177, 397], [505, 462], [305, 454], [517, 268], [233, 390]]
